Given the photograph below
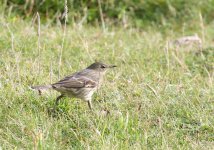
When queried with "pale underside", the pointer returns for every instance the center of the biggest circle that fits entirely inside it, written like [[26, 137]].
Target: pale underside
[[82, 93]]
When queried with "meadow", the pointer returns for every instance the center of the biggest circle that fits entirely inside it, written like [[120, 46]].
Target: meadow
[[159, 96]]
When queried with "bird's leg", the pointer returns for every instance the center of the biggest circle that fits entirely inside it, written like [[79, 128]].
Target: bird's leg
[[40, 92], [58, 98], [89, 104]]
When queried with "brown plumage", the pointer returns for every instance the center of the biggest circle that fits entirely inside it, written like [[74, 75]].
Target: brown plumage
[[81, 84]]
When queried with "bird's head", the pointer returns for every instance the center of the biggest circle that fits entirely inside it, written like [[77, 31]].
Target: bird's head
[[99, 66]]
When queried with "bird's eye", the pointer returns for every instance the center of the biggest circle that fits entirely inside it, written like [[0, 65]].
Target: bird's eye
[[102, 66]]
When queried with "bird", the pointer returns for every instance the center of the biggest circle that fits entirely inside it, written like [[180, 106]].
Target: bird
[[81, 84]]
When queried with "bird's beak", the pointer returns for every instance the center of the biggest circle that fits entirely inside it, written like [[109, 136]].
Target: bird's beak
[[112, 66]]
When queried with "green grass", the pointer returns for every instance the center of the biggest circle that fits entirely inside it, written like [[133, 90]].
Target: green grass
[[157, 98]]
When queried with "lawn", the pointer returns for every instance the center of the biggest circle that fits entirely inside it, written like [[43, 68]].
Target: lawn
[[159, 96]]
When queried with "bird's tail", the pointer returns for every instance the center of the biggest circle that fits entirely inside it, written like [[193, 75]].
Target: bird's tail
[[42, 87]]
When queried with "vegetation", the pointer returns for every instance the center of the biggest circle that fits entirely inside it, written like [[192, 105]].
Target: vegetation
[[138, 12], [159, 97]]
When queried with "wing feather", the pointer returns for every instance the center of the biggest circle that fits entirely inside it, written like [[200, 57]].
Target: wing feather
[[75, 82]]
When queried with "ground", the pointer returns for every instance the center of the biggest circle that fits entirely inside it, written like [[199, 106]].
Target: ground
[[159, 96]]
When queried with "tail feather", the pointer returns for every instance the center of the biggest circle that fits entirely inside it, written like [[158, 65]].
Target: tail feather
[[42, 87]]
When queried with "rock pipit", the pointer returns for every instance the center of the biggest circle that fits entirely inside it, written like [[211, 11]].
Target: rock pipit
[[81, 84]]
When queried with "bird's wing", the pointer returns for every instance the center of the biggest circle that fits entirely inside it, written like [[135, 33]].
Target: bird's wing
[[75, 82]]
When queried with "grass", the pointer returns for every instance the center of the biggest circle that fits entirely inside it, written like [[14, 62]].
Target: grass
[[158, 98]]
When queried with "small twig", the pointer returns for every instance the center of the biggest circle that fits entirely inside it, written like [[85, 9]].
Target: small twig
[[127, 121], [12, 37], [85, 45], [63, 39], [202, 28], [180, 62], [210, 77], [101, 15], [39, 34], [152, 89], [84, 17], [51, 71], [167, 54], [188, 40], [139, 107]]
